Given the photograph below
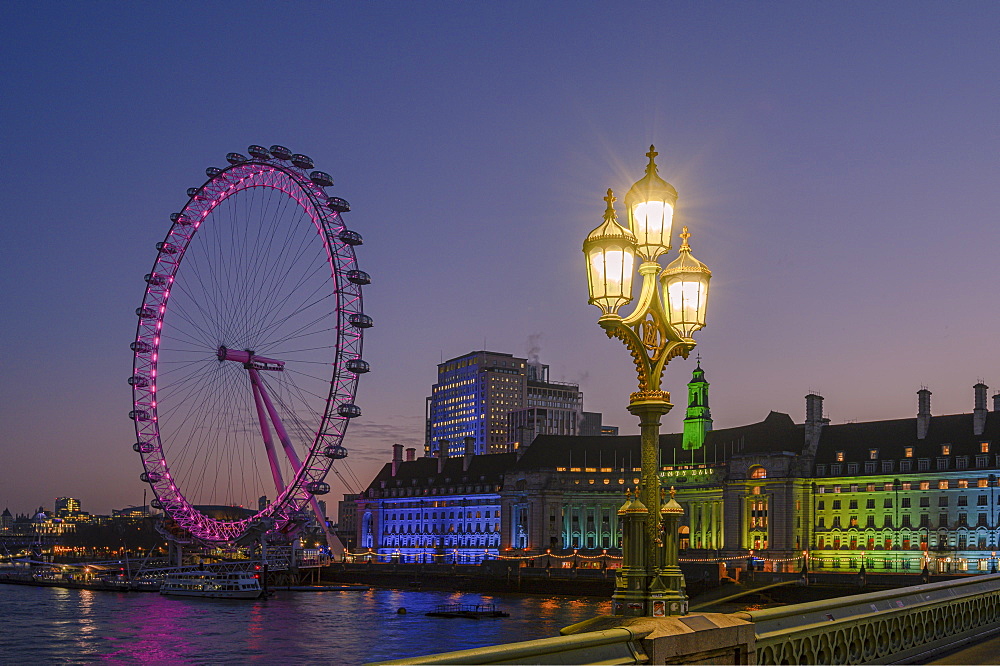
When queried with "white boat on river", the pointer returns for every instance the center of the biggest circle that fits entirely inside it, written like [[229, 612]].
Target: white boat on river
[[213, 585]]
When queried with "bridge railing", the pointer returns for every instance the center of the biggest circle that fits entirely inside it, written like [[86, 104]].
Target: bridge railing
[[611, 646], [880, 627]]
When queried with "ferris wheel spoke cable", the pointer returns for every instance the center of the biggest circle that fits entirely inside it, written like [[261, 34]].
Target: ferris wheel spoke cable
[[271, 279], [305, 330], [273, 326], [269, 320]]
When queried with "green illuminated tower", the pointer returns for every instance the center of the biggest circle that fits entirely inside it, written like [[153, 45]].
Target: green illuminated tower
[[698, 417]]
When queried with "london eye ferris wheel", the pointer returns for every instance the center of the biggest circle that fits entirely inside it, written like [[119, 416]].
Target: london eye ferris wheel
[[248, 347]]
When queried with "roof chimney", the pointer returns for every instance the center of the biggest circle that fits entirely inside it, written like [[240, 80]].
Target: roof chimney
[[923, 412], [996, 401], [814, 423], [411, 455], [442, 454], [979, 413], [397, 457], [470, 448]]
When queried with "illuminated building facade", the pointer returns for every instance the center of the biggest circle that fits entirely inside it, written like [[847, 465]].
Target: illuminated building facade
[[472, 398], [442, 509], [551, 408]]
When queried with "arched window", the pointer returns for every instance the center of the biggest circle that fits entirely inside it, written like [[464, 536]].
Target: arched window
[[758, 472]]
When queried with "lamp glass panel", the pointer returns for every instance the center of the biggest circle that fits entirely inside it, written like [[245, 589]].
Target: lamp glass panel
[[686, 299], [611, 276], [652, 221]]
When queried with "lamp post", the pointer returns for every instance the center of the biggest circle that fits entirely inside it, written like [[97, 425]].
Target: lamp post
[[670, 308]]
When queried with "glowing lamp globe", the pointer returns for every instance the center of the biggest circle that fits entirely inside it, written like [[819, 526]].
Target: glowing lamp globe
[[610, 253], [685, 286], [650, 203]]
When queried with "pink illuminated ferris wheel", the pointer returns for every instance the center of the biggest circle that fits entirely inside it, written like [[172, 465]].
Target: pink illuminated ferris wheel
[[248, 348]]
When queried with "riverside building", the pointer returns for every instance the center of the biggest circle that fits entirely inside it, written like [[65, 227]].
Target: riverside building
[[893, 495]]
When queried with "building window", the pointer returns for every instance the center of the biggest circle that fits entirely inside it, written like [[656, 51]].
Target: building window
[[887, 503], [835, 470], [870, 503], [984, 447], [886, 466], [852, 468], [962, 462], [982, 461], [943, 501], [836, 505], [925, 485], [946, 449], [853, 504], [963, 500], [925, 501], [870, 467], [756, 490], [854, 487], [905, 502], [905, 465], [839, 456], [758, 472], [820, 470], [907, 451], [982, 523], [942, 463], [821, 505], [981, 501], [873, 454], [923, 464], [982, 483]]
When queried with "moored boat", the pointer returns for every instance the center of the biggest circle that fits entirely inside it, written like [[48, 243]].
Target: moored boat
[[468, 611], [213, 584]]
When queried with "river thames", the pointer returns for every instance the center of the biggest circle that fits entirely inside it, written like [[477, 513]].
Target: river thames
[[51, 625]]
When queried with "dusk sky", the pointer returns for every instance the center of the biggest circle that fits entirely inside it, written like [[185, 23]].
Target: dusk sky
[[837, 164]]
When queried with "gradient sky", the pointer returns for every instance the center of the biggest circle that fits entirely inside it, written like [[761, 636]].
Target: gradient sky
[[837, 164]]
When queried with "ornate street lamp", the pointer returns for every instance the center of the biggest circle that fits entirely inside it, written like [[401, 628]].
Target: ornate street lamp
[[670, 308]]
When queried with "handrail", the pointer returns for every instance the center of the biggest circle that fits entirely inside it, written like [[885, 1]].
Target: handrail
[[565, 645]]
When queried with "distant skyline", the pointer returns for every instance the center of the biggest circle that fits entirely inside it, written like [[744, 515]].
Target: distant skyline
[[837, 166]]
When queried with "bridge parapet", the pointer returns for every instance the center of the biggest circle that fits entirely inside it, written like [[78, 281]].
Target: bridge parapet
[[903, 625]]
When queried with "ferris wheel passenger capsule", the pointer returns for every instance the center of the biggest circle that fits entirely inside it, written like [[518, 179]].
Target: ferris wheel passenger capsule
[[359, 320], [281, 152], [140, 347], [357, 366], [156, 504], [358, 277], [154, 279], [138, 380], [302, 161], [143, 447], [139, 415], [349, 410], [235, 158], [335, 452], [149, 477], [260, 152], [318, 487], [321, 178], [145, 313], [212, 172], [166, 248], [339, 205], [350, 237], [178, 218]]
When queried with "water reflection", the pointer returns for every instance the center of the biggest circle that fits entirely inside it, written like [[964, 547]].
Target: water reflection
[[46, 625]]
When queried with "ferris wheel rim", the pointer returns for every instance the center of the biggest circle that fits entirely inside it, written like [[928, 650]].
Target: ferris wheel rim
[[323, 211]]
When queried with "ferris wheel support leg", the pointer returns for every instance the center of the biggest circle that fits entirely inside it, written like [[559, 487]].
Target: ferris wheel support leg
[[283, 437], [265, 431]]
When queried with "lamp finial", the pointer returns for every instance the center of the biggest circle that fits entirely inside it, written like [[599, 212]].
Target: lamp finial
[[651, 154], [684, 237], [673, 492]]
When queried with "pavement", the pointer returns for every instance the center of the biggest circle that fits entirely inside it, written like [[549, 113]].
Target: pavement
[[983, 652]]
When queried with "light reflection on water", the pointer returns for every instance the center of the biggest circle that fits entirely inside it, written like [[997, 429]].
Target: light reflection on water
[[44, 625]]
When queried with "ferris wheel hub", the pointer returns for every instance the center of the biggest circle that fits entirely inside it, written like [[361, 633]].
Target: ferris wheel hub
[[249, 359]]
